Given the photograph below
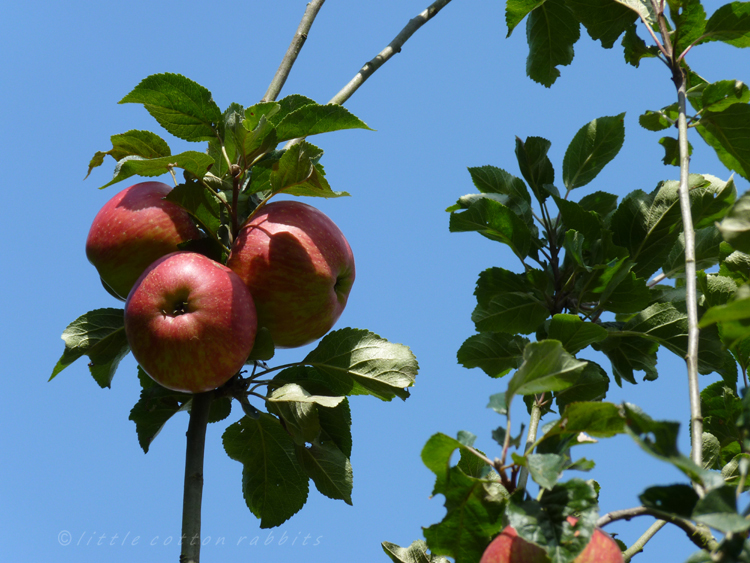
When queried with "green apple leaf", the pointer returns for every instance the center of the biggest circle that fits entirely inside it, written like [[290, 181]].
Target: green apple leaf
[[100, 335], [352, 361], [677, 500], [274, 485], [299, 418], [196, 163], [132, 143], [629, 353], [183, 107], [643, 8], [517, 10], [599, 420], [726, 132], [255, 114], [535, 165], [154, 408], [495, 353], [328, 467], [689, 19], [635, 48], [601, 203], [505, 304], [292, 392], [603, 19], [735, 227], [659, 120], [672, 151], [707, 245], [263, 348], [313, 119], [591, 385], [492, 219], [199, 202], [544, 521], [545, 469], [546, 367], [574, 333], [592, 148], [724, 93], [730, 24], [417, 552], [577, 218], [718, 509], [287, 105], [551, 30]]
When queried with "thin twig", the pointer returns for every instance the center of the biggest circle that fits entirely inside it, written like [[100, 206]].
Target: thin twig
[[699, 535], [536, 416], [277, 83], [393, 47], [639, 544]]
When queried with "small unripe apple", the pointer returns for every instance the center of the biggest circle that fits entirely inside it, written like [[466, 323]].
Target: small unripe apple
[[509, 547], [190, 322], [299, 268], [134, 228]]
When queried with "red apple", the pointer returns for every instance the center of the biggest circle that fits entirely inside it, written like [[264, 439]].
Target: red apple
[[299, 268], [508, 547], [190, 322], [133, 229]]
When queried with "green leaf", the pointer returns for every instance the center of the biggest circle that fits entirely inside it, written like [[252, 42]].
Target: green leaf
[[313, 119], [263, 348], [641, 7], [600, 420], [199, 202], [183, 107], [720, 408], [517, 10], [352, 361], [551, 30], [592, 147], [505, 304], [676, 500], [535, 165], [690, 21], [544, 522], [274, 485], [592, 385], [718, 509], [726, 132], [546, 367], [495, 221], [196, 163], [292, 392], [720, 95], [659, 120], [577, 218], [132, 143], [629, 353], [707, 243], [254, 114], [735, 227], [545, 469], [635, 48], [604, 20], [730, 24], [601, 203], [494, 352], [509, 190], [154, 408], [329, 469], [298, 173], [574, 333], [415, 553], [498, 404], [100, 335], [473, 516]]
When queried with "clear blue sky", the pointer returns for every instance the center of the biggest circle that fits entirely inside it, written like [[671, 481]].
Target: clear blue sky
[[455, 97]]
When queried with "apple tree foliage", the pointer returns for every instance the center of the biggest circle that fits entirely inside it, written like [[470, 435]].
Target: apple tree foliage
[[595, 273], [305, 432]]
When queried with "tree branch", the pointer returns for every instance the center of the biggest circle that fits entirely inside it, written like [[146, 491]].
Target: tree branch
[[294, 48], [639, 544], [698, 535], [393, 47], [536, 416], [193, 492]]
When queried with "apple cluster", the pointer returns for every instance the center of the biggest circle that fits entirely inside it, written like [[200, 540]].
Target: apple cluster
[[191, 322]]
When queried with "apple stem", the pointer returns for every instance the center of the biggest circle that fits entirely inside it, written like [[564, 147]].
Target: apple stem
[[193, 491]]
